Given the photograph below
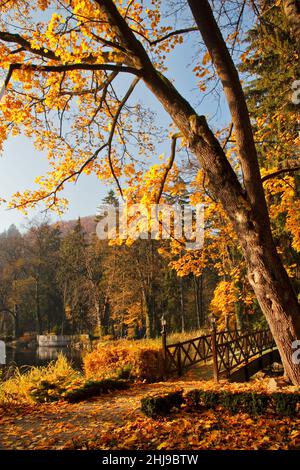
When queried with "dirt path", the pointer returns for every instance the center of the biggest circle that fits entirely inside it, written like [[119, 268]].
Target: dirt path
[[53, 426]]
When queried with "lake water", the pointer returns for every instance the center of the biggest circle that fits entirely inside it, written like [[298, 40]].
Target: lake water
[[40, 356]]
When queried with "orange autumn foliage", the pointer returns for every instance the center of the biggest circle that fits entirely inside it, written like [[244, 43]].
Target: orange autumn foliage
[[140, 361]]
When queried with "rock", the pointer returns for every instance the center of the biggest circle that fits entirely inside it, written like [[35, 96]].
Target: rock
[[259, 375], [276, 383]]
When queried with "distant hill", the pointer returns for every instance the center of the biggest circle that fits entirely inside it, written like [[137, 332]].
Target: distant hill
[[88, 223]]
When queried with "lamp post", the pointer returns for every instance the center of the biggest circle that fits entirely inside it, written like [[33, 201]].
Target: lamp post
[[214, 348], [164, 336], [2, 357]]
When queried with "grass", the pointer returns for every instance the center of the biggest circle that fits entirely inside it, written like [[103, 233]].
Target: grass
[[156, 342], [59, 375], [18, 388]]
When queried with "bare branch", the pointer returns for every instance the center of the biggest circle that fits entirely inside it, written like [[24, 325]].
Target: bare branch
[[228, 136], [168, 167], [176, 32], [112, 131], [62, 182], [66, 68], [289, 169]]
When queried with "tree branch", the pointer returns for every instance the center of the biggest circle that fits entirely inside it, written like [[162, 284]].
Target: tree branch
[[62, 182], [7, 310], [222, 179], [228, 137], [112, 131], [45, 53], [17, 39], [135, 51], [167, 36], [279, 172], [168, 167], [66, 68], [93, 157]]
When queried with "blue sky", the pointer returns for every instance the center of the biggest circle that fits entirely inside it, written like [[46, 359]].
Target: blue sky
[[21, 163]]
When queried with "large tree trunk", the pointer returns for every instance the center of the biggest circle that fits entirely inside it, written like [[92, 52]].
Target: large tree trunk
[[292, 12], [245, 207], [266, 273]]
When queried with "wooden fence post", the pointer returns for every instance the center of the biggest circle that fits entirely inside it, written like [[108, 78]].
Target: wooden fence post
[[215, 351], [164, 337], [179, 360], [247, 357]]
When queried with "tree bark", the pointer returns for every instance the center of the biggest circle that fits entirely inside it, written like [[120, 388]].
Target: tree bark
[[196, 298], [198, 293], [37, 306], [292, 12], [182, 313], [148, 314]]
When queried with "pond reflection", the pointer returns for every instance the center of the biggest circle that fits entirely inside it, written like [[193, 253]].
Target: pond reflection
[[40, 356]]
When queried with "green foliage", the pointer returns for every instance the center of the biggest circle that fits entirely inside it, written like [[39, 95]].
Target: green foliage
[[48, 390], [39, 384], [209, 398], [92, 388], [161, 405], [285, 404], [192, 399], [253, 403]]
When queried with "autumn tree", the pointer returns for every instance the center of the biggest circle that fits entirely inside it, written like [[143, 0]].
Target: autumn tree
[[67, 66], [73, 279], [42, 243], [272, 59], [12, 275]]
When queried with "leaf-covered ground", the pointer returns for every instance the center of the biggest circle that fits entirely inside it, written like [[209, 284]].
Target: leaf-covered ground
[[114, 421]]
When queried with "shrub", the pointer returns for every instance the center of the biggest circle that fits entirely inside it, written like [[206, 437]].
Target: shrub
[[192, 399], [136, 360], [47, 391], [254, 403], [209, 398], [233, 402], [161, 405], [93, 388], [248, 402], [38, 383], [285, 404], [259, 403], [56, 381]]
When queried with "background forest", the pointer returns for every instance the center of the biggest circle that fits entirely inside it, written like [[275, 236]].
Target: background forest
[[63, 279]]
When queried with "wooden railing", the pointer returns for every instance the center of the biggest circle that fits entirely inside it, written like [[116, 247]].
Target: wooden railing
[[234, 349], [226, 349], [179, 356]]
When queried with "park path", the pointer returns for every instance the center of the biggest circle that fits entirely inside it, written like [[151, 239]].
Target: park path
[[59, 425]]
